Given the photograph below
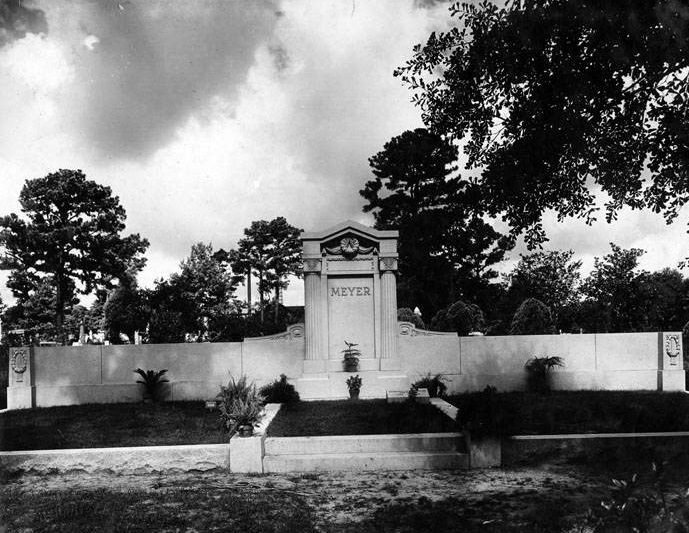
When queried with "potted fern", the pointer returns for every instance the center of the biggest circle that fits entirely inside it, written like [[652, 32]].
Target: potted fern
[[241, 406], [152, 381], [351, 357], [538, 372]]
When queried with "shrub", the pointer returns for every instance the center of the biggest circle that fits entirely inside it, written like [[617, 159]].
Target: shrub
[[483, 414], [461, 317], [279, 391], [405, 314], [240, 404], [152, 381], [532, 317], [538, 371], [435, 385]]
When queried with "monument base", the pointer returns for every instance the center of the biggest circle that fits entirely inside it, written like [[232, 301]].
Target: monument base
[[391, 364], [315, 366], [671, 380], [333, 386]]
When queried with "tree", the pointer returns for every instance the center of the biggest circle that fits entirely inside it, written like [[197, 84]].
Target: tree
[[532, 317], [270, 251], [196, 296], [549, 276], [416, 190], [615, 285], [125, 310], [555, 99], [285, 256], [71, 236], [665, 292], [461, 317]]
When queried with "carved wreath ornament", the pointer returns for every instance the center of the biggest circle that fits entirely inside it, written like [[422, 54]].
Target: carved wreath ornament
[[18, 363], [349, 247], [672, 348]]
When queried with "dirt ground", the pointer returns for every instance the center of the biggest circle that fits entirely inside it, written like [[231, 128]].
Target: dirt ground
[[345, 499]]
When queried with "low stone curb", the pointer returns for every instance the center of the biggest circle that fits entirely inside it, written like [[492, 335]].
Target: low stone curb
[[133, 460]]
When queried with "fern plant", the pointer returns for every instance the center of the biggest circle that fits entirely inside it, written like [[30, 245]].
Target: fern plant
[[538, 372], [152, 381], [351, 357]]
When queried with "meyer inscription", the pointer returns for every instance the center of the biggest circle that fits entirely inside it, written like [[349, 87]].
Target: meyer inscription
[[350, 291]]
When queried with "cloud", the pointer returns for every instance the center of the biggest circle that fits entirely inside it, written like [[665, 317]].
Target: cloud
[[155, 65], [17, 19]]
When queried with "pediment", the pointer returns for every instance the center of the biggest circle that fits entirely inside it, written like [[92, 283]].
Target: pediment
[[347, 228]]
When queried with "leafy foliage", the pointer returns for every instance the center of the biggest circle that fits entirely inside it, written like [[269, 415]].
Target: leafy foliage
[[444, 246], [538, 370], [153, 382], [435, 384], [125, 311], [354, 383], [532, 318], [461, 317], [404, 314], [70, 236], [240, 404], [279, 391], [553, 100]]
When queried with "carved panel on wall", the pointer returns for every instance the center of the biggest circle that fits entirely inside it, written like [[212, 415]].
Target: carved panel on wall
[[293, 332], [409, 329], [349, 247], [18, 362], [673, 348]]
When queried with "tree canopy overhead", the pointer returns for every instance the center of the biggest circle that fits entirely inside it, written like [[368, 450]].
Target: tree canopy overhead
[[69, 239], [555, 99]]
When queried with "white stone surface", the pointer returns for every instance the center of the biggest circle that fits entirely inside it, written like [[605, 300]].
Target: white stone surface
[[246, 453]]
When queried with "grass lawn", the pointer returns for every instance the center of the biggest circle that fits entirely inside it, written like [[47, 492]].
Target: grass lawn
[[109, 425], [362, 417], [521, 413]]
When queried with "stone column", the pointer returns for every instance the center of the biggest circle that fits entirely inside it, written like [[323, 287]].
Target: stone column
[[20, 390], [389, 359], [313, 319]]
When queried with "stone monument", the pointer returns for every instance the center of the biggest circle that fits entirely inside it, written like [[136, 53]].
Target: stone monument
[[350, 294]]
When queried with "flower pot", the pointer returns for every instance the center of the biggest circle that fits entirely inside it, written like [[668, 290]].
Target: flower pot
[[353, 394], [245, 430], [351, 366]]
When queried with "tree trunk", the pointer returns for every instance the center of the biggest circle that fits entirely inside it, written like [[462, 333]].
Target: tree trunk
[[260, 292], [277, 301], [248, 291], [59, 308]]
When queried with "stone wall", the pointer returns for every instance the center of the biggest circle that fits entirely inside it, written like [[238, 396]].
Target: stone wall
[[610, 361], [42, 377]]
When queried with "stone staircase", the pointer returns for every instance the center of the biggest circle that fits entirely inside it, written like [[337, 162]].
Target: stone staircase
[[421, 451]]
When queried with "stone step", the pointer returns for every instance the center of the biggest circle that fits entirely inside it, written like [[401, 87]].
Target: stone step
[[366, 461], [351, 444], [327, 386]]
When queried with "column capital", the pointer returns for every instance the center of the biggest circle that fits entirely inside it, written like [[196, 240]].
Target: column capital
[[387, 264], [312, 265]]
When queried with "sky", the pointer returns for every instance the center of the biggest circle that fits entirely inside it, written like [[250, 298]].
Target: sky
[[204, 116]]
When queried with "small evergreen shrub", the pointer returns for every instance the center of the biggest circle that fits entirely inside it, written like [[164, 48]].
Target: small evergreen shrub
[[405, 314], [279, 391], [461, 317], [435, 385], [532, 317]]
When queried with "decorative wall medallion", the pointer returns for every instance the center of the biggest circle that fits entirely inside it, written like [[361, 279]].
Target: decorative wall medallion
[[672, 348], [388, 263], [312, 265], [349, 247], [18, 363], [407, 328]]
